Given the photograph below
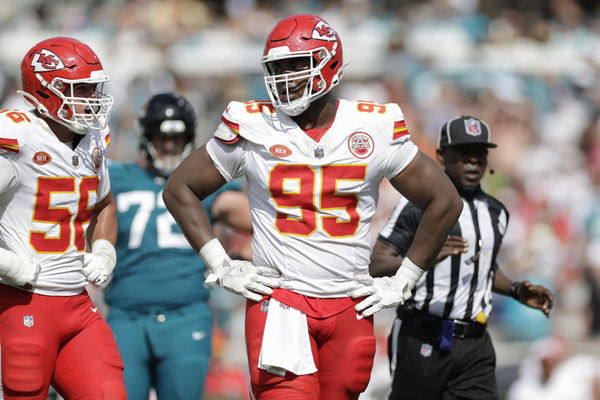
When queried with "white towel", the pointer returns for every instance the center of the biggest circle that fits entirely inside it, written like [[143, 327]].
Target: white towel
[[285, 343]]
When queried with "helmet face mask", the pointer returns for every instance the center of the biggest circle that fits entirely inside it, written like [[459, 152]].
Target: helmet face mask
[[83, 113], [168, 125], [55, 73], [166, 151], [301, 37], [283, 88]]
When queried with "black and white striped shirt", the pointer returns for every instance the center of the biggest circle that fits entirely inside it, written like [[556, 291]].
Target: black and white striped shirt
[[459, 287]]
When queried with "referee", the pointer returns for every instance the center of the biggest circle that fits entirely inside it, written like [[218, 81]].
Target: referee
[[439, 347]]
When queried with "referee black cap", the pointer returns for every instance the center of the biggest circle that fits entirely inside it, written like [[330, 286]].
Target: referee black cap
[[464, 130]]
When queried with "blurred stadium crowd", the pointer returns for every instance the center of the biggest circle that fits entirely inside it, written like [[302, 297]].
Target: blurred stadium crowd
[[529, 68]]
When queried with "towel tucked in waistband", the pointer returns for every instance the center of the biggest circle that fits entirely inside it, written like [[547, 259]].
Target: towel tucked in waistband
[[285, 343]]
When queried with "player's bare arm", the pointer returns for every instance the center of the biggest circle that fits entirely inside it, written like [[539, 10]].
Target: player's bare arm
[[232, 208], [384, 260], [103, 223], [534, 296], [424, 184], [193, 180]]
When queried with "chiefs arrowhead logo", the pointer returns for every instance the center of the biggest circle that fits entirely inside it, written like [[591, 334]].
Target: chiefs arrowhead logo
[[41, 158], [45, 61], [322, 31], [280, 150]]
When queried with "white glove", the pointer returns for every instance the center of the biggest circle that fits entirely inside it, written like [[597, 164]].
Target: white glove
[[99, 264], [387, 291], [237, 276], [18, 270], [248, 280]]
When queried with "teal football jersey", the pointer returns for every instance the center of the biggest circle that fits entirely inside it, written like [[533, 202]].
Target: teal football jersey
[[156, 267]]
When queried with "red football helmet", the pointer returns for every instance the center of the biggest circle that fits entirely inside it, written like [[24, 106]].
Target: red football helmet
[[50, 72], [302, 36]]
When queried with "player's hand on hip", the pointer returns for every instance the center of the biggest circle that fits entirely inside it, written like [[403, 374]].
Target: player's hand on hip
[[99, 264], [387, 291], [383, 293], [18, 270], [248, 280], [363, 286]]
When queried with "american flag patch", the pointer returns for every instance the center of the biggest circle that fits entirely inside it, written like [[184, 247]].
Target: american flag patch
[[9, 145], [399, 130]]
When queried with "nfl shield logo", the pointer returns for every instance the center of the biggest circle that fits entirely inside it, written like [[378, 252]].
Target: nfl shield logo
[[319, 152], [426, 349], [75, 161], [264, 307], [472, 127], [28, 321]]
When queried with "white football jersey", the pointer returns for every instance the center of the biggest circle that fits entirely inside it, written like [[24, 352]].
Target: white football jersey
[[312, 202], [46, 208]]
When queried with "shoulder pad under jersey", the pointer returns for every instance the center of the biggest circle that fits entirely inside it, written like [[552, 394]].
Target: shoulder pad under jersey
[[385, 120], [13, 126], [241, 117]]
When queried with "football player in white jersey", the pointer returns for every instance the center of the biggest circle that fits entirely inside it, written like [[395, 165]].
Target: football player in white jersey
[[57, 229], [313, 164]]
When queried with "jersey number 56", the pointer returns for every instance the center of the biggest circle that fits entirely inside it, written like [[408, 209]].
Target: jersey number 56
[[44, 212]]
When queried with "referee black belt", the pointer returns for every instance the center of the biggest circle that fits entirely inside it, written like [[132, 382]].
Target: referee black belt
[[432, 324]]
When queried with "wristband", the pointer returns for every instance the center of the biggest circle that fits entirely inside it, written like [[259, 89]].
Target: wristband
[[213, 254], [514, 290], [410, 270], [103, 247]]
